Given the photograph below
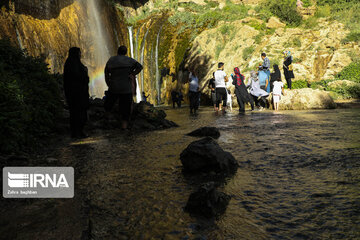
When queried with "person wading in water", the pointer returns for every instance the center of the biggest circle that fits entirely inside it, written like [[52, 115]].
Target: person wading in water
[[220, 88]]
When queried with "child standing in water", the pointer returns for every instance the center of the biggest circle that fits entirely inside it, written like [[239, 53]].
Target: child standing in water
[[277, 90]]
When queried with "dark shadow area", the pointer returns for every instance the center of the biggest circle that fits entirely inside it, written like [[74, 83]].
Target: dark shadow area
[[40, 9]]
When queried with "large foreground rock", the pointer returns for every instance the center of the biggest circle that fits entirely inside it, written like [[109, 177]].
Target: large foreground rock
[[306, 98], [205, 132], [205, 155], [207, 201]]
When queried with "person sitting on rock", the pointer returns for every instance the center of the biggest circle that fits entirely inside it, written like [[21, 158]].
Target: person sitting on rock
[[256, 92], [119, 72], [241, 92]]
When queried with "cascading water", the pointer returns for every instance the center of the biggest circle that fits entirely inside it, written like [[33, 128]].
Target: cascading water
[[158, 86], [100, 52], [142, 58], [19, 39], [138, 95]]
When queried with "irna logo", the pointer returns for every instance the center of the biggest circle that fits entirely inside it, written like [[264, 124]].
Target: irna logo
[[38, 182], [19, 180]]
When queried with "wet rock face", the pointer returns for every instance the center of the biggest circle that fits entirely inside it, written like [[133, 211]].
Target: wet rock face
[[205, 132], [147, 117], [41, 9], [206, 155], [207, 201]]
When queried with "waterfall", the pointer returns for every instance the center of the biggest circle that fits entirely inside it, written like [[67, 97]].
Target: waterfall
[[142, 58], [100, 52], [158, 86], [138, 94], [19, 39]]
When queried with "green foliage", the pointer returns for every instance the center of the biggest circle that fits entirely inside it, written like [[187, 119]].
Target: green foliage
[[310, 23], [299, 84], [207, 18], [306, 3], [218, 50], [350, 72], [29, 98], [258, 38], [346, 91], [323, 11], [226, 29], [285, 10], [247, 52], [212, 4], [352, 37], [257, 25]]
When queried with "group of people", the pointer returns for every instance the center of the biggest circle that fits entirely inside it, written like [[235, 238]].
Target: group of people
[[260, 85], [120, 72]]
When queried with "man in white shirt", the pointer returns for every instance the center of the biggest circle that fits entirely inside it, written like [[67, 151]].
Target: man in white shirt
[[220, 87]]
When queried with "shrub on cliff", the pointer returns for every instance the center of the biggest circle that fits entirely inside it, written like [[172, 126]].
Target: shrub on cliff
[[285, 10], [29, 98], [350, 72]]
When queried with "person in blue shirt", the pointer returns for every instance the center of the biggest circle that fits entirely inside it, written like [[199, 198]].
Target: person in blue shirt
[[265, 67]]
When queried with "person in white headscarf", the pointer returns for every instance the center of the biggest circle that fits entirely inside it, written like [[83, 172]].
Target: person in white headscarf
[[256, 92], [288, 69]]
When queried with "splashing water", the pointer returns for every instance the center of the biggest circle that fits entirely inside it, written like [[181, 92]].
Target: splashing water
[[138, 95], [142, 58], [99, 50]]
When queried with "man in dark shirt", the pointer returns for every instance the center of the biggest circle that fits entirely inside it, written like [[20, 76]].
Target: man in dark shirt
[[120, 71], [213, 93]]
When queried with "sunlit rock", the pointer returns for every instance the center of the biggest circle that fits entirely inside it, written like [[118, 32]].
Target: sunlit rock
[[274, 22], [306, 98], [206, 155]]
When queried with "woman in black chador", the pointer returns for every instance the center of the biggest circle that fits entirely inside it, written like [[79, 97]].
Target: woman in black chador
[[288, 69], [275, 76], [241, 92], [76, 88]]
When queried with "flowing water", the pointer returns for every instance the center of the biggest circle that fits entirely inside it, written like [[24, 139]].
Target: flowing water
[[299, 178], [100, 52], [138, 94], [142, 57], [157, 73]]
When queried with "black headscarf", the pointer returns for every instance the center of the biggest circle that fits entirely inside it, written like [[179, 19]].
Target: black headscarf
[[276, 75], [76, 80]]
